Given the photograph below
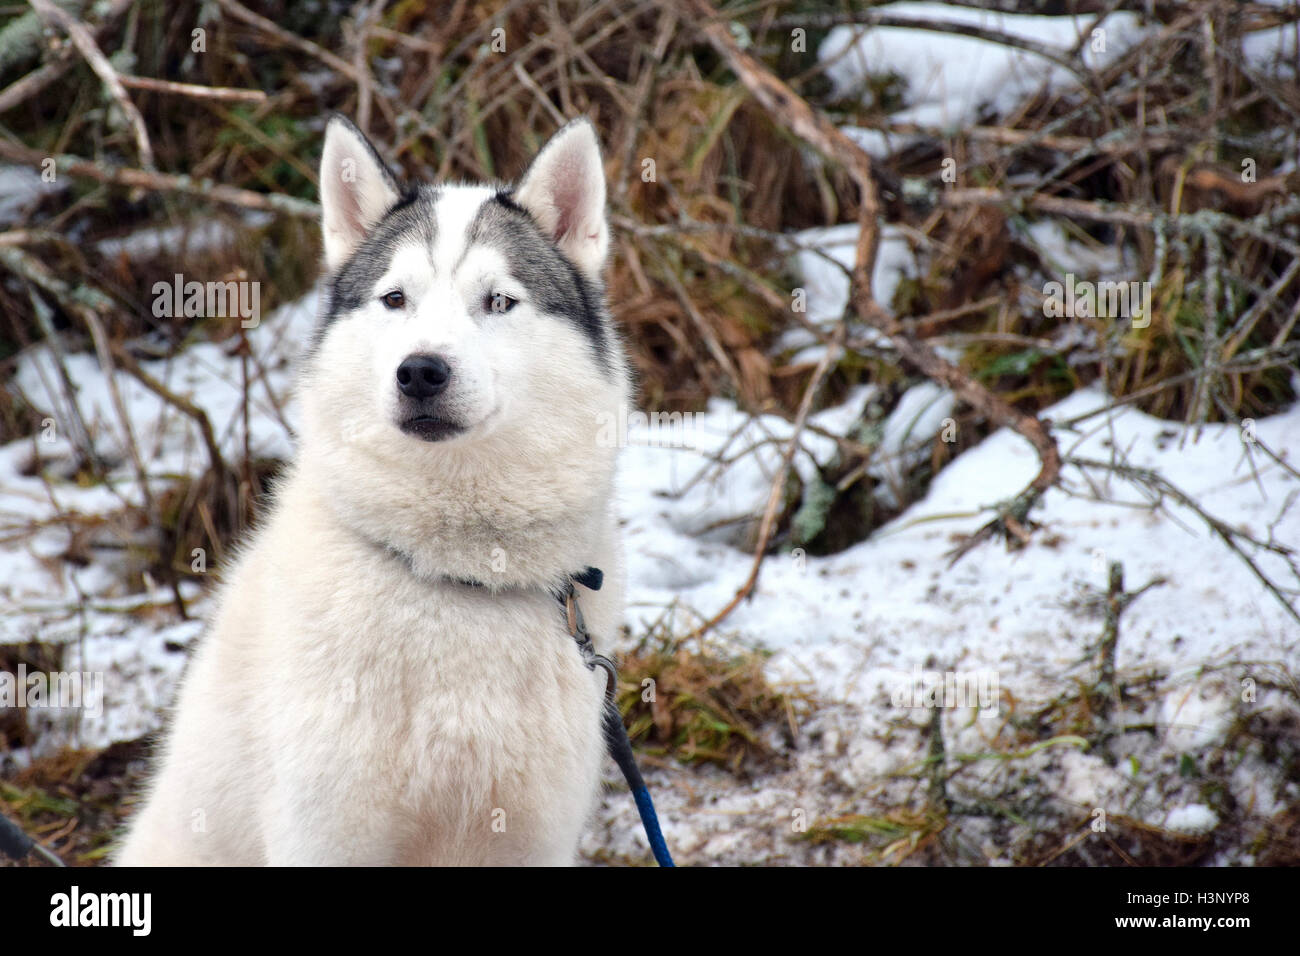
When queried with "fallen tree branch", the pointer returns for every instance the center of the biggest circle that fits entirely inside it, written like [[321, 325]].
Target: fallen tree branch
[[162, 182], [85, 43], [194, 90], [1206, 221]]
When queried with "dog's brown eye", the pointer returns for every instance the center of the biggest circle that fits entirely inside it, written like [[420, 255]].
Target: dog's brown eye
[[394, 299], [500, 302]]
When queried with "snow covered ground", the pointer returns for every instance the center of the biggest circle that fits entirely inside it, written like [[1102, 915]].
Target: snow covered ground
[[857, 626]]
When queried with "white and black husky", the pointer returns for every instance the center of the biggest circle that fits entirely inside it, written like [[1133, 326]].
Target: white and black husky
[[388, 678]]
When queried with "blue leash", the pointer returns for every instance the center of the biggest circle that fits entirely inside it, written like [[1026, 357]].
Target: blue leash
[[620, 748]]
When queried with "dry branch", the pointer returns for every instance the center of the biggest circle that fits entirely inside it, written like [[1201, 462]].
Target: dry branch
[[162, 182], [1234, 538], [273, 29], [792, 111], [89, 49], [154, 85], [84, 303], [21, 90]]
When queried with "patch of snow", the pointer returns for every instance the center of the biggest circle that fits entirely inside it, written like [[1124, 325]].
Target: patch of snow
[[1273, 51], [1194, 819], [1197, 716], [879, 144], [827, 282], [910, 428], [21, 188], [207, 373], [951, 79], [1064, 254]]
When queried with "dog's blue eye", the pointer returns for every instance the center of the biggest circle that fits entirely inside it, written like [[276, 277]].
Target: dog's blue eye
[[394, 299], [500, 302]]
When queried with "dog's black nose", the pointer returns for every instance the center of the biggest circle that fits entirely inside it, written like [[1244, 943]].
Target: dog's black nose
[[422, 376]]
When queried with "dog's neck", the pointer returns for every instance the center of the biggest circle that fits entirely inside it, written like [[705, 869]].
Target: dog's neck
[[477, 533], [589, 577], [419, 563]]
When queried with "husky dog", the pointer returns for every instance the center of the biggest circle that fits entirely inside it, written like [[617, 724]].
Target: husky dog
[[389, 679]]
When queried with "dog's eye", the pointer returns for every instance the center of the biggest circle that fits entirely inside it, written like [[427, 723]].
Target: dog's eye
[[393, 300], [499, 302]]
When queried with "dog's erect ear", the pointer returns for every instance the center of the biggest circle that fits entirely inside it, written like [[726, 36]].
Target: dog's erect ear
[[356, 189], [564, 189]]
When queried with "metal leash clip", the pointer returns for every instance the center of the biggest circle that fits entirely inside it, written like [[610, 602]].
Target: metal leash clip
[[578, 631]]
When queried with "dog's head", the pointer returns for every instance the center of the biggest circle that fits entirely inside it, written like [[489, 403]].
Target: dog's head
[[464, 351], [452, 307]]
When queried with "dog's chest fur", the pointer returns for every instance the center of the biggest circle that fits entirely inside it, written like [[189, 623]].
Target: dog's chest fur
[[412, 722]]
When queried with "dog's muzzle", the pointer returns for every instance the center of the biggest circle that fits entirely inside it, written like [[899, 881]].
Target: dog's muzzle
[[421, 381]]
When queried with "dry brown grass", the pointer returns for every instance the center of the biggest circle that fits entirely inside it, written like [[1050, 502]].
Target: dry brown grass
[[72, 801], [696, 703]]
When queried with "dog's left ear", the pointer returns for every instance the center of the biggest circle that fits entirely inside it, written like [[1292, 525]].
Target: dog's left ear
[[564, 189]]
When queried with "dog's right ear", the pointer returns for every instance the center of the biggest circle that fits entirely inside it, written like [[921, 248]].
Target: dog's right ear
[[356, 189]]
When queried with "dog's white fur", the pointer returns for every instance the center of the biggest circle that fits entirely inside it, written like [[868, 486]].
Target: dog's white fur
[[350, 706]]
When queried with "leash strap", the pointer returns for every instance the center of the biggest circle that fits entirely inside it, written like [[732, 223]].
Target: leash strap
[[16, 844], [616, 739], [620, 748]]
